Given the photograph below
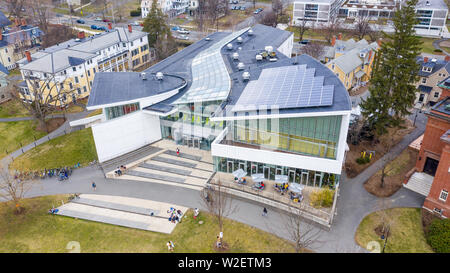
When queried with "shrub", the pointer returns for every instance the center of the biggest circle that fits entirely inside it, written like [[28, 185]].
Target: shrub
[[438, 236], [438, 50], [322, 198], [363, 160]]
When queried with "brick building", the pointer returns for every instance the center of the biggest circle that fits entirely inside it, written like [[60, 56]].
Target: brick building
[[432, 170]]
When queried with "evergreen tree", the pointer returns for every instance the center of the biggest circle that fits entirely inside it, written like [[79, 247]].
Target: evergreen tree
[[392, 89], [159, 35]]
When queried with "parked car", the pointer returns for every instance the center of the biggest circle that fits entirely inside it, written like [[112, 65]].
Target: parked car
[[106, 20], [94, 27], [101, 28], [243, 8], [183, 31], [258, 10], [183, 37], [175, 28], [79, 21], [98, 19], [135, 23], [235, 2], [304, 42]]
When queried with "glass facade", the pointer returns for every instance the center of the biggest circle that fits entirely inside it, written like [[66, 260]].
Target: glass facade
[[118, 111], [315, 136], [296, 175]]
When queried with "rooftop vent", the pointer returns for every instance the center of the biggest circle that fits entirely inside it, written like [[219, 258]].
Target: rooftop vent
[[229, 46], [77, 40], [208, 39], [273, 59], [250, 32], [143, 76], [268, 48], [434, 60], [246, 76], [159, 76], [239, 40], [240, 66], [235, 56], [362, 54], [427, 3], [259, 57]]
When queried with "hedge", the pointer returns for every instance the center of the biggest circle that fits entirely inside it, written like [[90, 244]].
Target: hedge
[[438, 236]]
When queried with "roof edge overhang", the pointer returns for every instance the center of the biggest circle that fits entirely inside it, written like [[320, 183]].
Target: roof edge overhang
[[289, 115]]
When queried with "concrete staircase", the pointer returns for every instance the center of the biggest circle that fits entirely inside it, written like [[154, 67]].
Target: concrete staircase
[[420, 183], [121, 211], [127, 158]]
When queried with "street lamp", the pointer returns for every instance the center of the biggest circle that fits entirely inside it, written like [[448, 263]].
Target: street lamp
[[418, 110], [385, 238]]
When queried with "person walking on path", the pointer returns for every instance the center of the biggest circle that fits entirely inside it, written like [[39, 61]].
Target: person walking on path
[[94, 186], [170, 246], [264, 212], [196, 212]]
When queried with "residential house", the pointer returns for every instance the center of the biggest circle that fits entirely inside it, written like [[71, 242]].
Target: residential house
[[431, 175], [171, 8], [4, 93], [72, 65], [351, 61], [431, 72], [17, 39]]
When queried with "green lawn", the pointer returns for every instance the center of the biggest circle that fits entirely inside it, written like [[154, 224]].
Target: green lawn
[[37, 231], [95, 112], [12, 108], [14, 133], [406, 236], [66, 150], [427, 46]]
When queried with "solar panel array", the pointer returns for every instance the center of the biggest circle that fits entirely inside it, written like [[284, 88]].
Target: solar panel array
[[210, 78], [285, 87]]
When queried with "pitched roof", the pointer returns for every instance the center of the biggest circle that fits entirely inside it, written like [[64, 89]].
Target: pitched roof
[[434, 64], [3, 69], [4, 21], [351, 50], [22, 33]]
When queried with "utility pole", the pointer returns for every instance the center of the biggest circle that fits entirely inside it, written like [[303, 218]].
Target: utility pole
[[112, 11]]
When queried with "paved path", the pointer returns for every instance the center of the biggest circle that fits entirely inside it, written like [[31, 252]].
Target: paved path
[[437, 46]]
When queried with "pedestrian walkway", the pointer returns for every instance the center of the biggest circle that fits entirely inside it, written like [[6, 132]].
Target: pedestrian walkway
[[122, 211]]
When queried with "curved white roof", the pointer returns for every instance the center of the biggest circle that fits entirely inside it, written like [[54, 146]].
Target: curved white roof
[[210, 78]]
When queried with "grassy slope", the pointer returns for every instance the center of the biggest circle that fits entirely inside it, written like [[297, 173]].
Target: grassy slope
[[407, 234], [66, 150], [37, 231], [11, 109], [14, 133]]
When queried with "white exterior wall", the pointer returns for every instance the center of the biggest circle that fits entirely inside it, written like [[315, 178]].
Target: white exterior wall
[[286, 159], [286, 46], [125, 134]]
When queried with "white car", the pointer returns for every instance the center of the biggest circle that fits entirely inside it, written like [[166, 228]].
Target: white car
[[182, 37], [99, 19], [183, 31], [136, 23]]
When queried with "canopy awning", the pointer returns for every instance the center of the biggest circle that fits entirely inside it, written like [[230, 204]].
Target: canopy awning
[[281, 178], [359, 74], [239, 173], [295, 187]]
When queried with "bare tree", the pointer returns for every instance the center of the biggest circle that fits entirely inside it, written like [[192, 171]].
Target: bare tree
[[313, 49], [300, 230], [13, 189], [218, 203], [41, 14], [57, 34], [15, 7], [200, 15], [269, 19], [362, 26], [277, 7], [45, 95], [331, 28], [302, 27], [215, 10]]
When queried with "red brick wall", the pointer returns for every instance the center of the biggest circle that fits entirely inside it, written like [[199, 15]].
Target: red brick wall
[[431, 144], [441, 182]]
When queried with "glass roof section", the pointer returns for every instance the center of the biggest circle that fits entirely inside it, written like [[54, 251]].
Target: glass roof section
[[210, 78]]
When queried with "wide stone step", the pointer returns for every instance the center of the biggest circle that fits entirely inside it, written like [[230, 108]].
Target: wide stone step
[[156, 176], [115, 206], [174, 161], [420, 183], [184, 155], [165, 169]]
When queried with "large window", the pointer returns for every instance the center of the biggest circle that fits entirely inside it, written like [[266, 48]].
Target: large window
[[118, 111], [317, 136]]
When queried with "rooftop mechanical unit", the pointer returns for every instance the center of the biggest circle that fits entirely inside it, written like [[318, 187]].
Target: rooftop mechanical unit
[[229, 46], [159, 76], [246, 76], [235, 56], [241, 66]]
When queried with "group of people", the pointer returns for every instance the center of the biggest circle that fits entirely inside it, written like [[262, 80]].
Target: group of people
[[175, 215], [296, 197], [259, 186], [282, 188], [120, 170], [64, 174], [242, 180]]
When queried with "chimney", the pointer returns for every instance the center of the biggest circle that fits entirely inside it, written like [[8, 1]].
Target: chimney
[[425, 59], [370, 55], [81, 35], [1, 35], [339, 36], [333, 41], [24, 22], [28, 54], [109, 25], [379, 41], [447, 57], [130, 28]]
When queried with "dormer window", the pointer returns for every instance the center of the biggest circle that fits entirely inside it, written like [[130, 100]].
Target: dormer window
[[426, 69]]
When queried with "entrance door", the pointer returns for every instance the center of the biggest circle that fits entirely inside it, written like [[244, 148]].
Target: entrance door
[[430, 166], [243, 166], [254, 168], [266, 172], [279, 171], [304, 178], [317, 180], [291, 175], [230, 166], [196, 142]]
